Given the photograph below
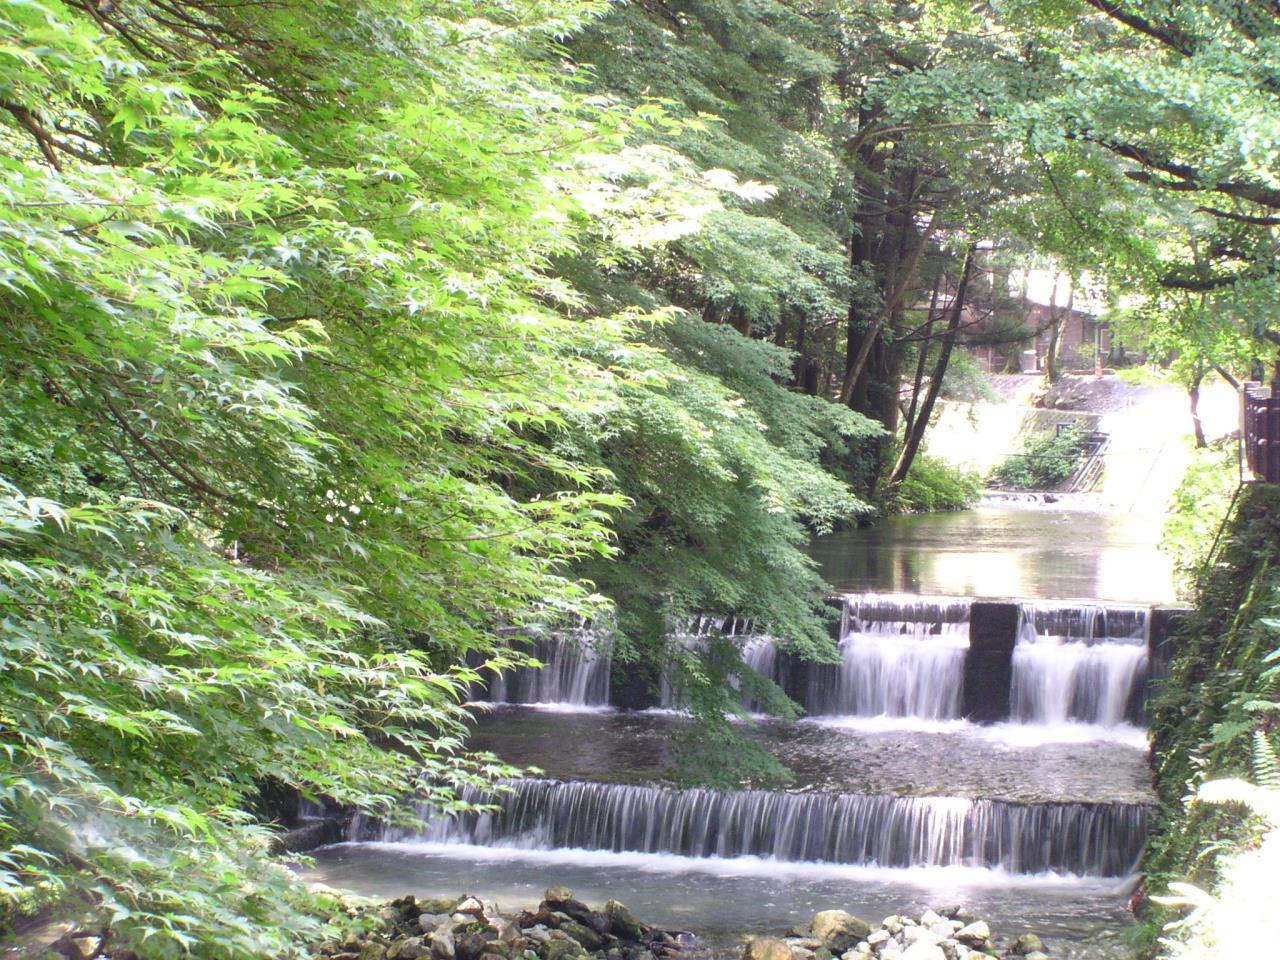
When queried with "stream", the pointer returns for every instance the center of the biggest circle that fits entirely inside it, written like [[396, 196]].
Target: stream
[[981, 743]]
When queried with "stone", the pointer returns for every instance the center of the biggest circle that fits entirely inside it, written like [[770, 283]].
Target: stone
[[538, 933], [557, 894], [589, 939], [492, 956], [83, 948], [437, 905], [837, 930], [766, 948], [942, 929], [410, 948], [469, 946], [470, 905], [373, 951], [877, 937], [541, 917], [920, 935], [929, 918], [622, 922], [976, 934], [1037, 955], [442, 945], [430, 922], [1026, 943], [510, 931], [923, 950], [948, 910], [498, 948], [560, 949]]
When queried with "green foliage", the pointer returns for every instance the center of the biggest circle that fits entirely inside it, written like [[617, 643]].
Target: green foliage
[[280, 346], [1045, 459], [1215, 716], [933, 485], [1199, 508]]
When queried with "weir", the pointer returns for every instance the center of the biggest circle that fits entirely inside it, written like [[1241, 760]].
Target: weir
[[905, 656], [1081, 839]]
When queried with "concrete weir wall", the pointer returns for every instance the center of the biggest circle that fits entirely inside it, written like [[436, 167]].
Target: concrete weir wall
[[993, 633]]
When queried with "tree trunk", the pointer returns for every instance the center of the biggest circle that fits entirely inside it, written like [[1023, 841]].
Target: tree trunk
[[892, 299], [913, 440], [1051, 371], [923, 359], [1193, 393]]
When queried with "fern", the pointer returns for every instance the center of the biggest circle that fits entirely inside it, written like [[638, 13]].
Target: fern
[[1266, 768]]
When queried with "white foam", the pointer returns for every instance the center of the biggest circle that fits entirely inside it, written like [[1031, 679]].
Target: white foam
[[1027, 735], [942, 878], [886, 724]]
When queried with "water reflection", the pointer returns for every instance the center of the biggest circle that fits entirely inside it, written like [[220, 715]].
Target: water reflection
[[1005, 550]]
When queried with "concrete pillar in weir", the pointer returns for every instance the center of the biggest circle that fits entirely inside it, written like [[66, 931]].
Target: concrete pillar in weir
[[988, 668]]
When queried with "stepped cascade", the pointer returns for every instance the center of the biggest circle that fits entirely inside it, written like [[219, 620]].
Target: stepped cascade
[[1083, 663], [900, 657], [575, 672], [904, 657], [1085, 839]]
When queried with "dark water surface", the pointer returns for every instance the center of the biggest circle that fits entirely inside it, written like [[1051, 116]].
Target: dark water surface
[[1064, 550], [1015, 762]]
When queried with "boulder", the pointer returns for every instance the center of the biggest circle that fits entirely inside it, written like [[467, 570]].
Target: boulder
[[471, 905], [544, 917], [837, 930], [929, 918], [430, 922], [923, 950], [410, 948], [976, 934], [537, 933], [442, 945], [560, 950], [373, 951], [589, 939], [557, 894], [622, 922], [766, 948], [1026, 943], [469, 946], [437, 905]]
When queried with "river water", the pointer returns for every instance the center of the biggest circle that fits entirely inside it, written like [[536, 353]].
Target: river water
[[1005, 549], [898, 801]]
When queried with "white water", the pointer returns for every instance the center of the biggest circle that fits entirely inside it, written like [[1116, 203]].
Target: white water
[[575, 674], [948, 878], [1080, 669], [902, 656], [1102, 839]]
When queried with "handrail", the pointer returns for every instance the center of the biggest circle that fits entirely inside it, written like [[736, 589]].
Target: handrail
[[1260, 423]]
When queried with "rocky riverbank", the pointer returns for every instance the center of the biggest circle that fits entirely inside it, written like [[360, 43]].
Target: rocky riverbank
[[947, 933], [563, 928]]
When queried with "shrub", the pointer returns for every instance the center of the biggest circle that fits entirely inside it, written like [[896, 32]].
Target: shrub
[[933, 485], [1045, 460]]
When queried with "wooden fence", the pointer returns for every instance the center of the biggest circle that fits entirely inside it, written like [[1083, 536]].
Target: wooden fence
[[1261, 424]]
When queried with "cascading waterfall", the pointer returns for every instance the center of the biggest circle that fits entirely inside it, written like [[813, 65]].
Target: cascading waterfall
[[694, 634], [575, 672], [901, 656], [1087, 839], [1083, 664]]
